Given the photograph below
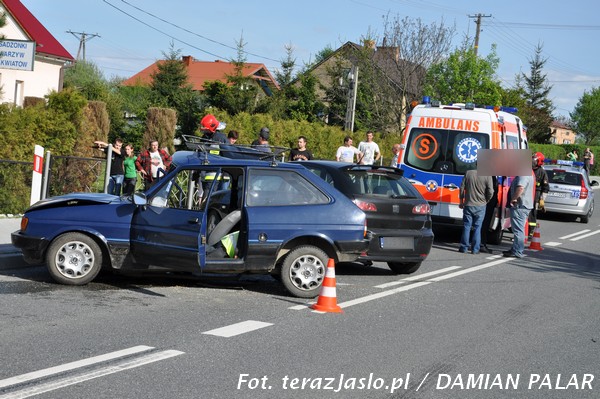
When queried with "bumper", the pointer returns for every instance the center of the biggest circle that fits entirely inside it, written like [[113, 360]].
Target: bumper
[[395, 246], [567, 209], [33, 248], [349, 251]]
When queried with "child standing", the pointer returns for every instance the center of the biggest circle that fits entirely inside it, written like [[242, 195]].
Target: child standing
[[130, 171]]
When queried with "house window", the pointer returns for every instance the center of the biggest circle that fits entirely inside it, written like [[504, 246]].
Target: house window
[[566, 141], [19, 89]]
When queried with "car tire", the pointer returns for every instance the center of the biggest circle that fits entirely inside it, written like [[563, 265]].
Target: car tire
[[74, 259], [303, 271], [586, 218], [404, 267]]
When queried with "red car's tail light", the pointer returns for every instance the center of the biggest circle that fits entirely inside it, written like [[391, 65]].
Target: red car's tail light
[[421, 209], [365, 206]]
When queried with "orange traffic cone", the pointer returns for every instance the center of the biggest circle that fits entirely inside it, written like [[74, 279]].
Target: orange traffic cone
[[536, 244], [327, 301]]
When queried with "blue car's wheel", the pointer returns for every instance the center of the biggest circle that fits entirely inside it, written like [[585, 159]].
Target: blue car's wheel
[[303, 271], [74, 259]]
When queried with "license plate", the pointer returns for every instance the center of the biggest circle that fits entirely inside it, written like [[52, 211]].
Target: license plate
[[555, 194], [396, 242]]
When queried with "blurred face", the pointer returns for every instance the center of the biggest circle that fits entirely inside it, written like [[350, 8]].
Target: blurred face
[[118, 145], [301, 143], [129, 150], [232, 140], [396, 149], [154, 146], [369, 136], [349, 143]]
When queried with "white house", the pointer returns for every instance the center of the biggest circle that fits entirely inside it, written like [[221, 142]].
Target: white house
[[32, 61]]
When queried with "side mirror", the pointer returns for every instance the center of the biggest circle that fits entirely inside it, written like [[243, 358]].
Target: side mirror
[[594, 182], [140, 199]]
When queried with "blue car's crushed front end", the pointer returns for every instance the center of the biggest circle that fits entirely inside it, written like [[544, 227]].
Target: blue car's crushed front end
[[105, 217]]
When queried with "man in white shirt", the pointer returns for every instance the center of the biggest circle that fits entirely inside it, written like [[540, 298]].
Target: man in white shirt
[[346, 152], [396, 153], [370, 150]]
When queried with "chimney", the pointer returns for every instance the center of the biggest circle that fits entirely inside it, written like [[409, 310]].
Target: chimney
[[392, 53], [369, 43], [187, 60]]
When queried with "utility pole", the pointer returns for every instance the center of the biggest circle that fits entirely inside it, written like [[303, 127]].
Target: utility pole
[[478, 23], [351, 105], [83, 37]]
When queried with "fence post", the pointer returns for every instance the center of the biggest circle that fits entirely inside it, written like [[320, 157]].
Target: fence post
[[36, 178], [108, 165], [46, 175]]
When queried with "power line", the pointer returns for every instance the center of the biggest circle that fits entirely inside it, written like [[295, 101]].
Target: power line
[[160, 31], [196, 34]]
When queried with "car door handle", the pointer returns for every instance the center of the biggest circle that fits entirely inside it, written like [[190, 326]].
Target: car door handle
[[451, 186], [194, 221]]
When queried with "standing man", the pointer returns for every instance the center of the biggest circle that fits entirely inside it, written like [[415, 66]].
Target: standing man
[[587, 158], [346, 152], [152, 164], [370, 150], [475, 192], [520, 197], [396, 152], [117, 175], [262, 142], [301, 153], [541, 189]]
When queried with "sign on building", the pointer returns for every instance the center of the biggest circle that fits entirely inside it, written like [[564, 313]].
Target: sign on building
[[17, 54]]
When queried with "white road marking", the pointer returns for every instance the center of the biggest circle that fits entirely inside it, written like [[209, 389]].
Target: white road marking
[[73, 365], [238, 328], [64, 382], [586, 235], [573, 235], [421, 283], [552, 244], [417, 277], [300, 307]]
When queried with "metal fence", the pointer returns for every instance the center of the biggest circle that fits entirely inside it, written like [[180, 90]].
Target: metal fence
[[63, 174]]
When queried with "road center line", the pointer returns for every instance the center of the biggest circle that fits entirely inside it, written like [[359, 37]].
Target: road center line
[[585, 235], [417, 277], [421, 283], [64, 382], [73, 365], [573, 235], [238, 328]]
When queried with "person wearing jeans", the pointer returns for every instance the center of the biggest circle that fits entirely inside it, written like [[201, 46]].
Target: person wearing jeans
[[475, 192], [521, 200]]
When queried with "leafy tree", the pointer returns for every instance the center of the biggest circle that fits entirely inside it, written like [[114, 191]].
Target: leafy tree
[[537, 114], [86, 78], [171, 88], [465, 77], [586, 116]]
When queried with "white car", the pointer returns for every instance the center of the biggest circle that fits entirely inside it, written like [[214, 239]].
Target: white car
[[570, 192]]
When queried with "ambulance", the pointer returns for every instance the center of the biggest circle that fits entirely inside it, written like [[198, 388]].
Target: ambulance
[[440, 144]]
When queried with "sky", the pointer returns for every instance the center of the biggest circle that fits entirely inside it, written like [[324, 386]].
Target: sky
[[132, 34]]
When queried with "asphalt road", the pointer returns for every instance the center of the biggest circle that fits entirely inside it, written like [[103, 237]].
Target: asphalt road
[[463, 326]]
